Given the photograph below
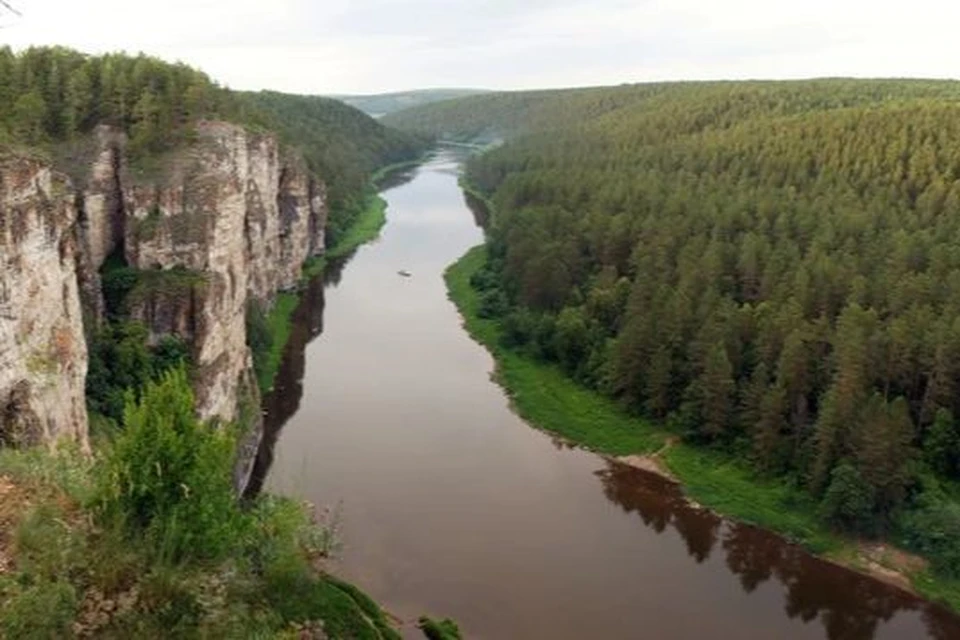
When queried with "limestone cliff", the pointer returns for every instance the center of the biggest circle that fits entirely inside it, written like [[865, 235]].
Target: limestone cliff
[[236, 213], [228, 220], [43, 355], [99, 212]]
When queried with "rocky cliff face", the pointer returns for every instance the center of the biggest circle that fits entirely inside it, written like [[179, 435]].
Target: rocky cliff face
[[43, 355], [211, 228], [100, 213], [235, 217]]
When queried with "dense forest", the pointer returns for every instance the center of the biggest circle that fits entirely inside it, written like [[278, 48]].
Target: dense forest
[[51, 96], [770, 268], [339, 143]]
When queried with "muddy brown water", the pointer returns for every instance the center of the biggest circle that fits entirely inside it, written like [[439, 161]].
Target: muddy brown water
[[451, 505]]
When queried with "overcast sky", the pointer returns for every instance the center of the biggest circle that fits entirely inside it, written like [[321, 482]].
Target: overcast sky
[[371, 46]]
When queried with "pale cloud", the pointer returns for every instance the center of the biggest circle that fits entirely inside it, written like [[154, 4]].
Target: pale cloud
[[338, 46]]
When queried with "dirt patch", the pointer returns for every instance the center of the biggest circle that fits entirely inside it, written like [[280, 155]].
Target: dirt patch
[[652, 463], [889, 564]]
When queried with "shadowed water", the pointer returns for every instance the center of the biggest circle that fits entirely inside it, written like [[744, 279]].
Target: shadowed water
[[452, 506]]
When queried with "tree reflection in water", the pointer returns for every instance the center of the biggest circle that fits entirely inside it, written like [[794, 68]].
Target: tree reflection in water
[[849, 605]]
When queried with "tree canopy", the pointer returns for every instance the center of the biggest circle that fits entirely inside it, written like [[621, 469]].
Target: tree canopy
[[771, 267], [49, 95]]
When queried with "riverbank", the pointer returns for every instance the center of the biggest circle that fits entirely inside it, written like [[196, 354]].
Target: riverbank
[[547, 399], [367, 226]]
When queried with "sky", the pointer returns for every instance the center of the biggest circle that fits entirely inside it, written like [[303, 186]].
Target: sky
[[373, 46]]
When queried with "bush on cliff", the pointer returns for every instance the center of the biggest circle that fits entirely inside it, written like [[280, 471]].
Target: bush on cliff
[[167, 476], [148, 540]]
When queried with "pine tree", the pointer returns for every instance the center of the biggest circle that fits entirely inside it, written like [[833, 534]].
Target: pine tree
[[884, 450], [716, 389], [942, 445]]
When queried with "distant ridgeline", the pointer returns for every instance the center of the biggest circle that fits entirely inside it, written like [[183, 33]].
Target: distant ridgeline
[[383, 103], [50, 95], [771, 267]]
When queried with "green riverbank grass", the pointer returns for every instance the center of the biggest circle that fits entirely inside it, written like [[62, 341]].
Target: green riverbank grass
[[445, 629], [540, 392], [547, 399], [729, 487], [472, 191], [390, 169], [937, 589], [279, 326], [367, 227]]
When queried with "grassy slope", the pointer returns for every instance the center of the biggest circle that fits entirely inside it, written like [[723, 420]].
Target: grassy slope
[[67, 575], [544, 396]]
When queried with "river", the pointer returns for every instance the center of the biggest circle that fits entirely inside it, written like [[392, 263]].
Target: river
[[451, 505]]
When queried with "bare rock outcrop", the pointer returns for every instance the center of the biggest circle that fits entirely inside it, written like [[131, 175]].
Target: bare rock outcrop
[[225, 222], [43, 354]]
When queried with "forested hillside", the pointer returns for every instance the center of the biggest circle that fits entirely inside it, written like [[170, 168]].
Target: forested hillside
[[340, 143], [772, 269], [51, 95]]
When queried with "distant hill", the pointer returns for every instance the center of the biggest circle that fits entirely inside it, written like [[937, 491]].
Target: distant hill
[[384, 103]]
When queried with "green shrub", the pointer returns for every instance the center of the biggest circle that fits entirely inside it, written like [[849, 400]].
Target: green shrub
[[259, 336], [445, 629], [168, 476], [932, 528], [493, 304], [848, 501], [44, 609], [121, 360]]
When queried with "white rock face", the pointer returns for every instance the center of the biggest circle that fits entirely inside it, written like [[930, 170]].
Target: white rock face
[[233, 213], [43, 355], [224, 222]]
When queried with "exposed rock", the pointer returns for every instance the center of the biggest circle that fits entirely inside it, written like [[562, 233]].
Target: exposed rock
[[231, 209], [43, 354], [227, 220], [100, 213]]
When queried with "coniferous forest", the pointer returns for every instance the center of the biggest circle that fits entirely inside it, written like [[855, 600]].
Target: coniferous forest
[[769, 268]]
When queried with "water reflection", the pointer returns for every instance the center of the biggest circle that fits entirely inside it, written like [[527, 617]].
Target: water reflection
[[849, 605], [283, 401]]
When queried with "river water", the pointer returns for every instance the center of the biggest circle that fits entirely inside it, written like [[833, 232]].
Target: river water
[[450, 505]]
